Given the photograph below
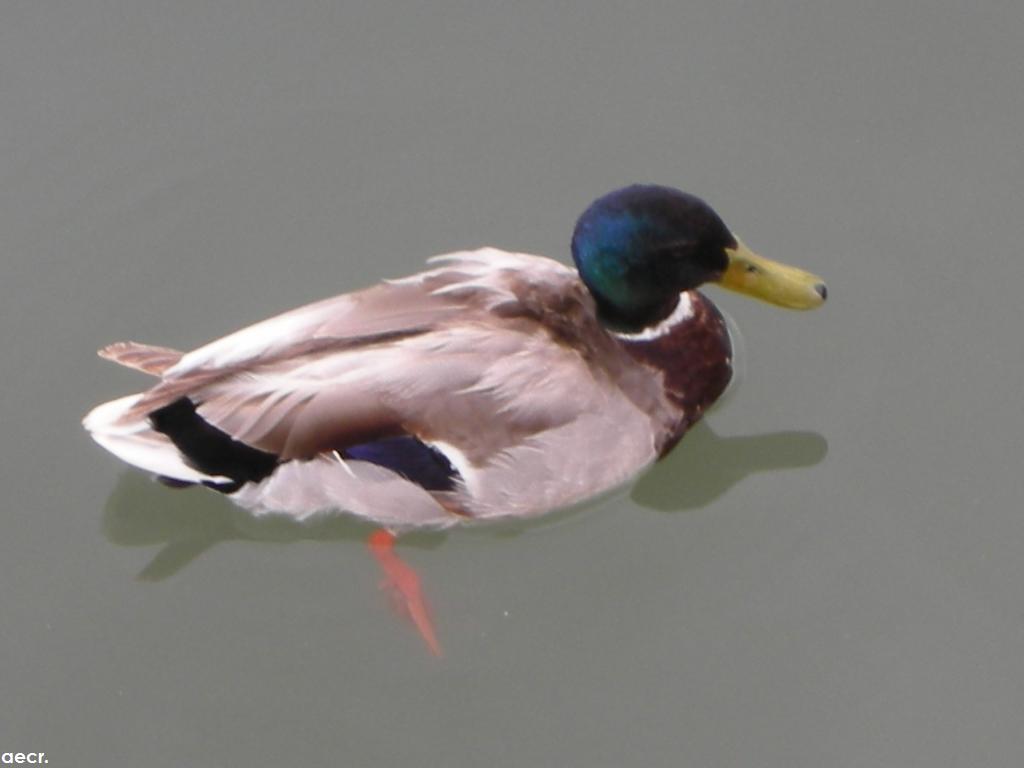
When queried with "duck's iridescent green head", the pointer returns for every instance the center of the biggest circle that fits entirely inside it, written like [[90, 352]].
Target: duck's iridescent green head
[[639, 247]]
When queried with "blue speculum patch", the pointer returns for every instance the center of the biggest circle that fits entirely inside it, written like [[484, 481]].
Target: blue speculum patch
[[410, 457]]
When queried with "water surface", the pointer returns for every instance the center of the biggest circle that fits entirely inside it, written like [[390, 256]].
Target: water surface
[[827, 572]]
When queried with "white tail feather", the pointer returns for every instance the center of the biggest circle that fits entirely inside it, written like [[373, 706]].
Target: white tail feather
[[135, 442]]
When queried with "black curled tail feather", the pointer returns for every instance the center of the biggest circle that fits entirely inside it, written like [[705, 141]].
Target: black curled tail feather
[[210, 450]]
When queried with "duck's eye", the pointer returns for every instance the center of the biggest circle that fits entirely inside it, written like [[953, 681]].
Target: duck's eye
[[753, 268]]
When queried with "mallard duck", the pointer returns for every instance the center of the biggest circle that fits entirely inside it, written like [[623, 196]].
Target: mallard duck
[[492, 385]]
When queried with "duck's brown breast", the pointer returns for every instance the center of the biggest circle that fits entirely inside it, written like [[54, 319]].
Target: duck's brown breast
[[695, 358]]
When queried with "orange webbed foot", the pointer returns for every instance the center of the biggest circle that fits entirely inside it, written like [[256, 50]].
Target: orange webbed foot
[[403, 586]]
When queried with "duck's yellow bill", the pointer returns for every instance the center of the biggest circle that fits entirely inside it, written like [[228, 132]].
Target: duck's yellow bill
[[771, 281]]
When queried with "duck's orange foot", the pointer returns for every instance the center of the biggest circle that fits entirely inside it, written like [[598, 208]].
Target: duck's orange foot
[[403, 586]]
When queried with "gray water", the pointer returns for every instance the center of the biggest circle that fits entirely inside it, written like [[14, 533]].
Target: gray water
[[829, 572]]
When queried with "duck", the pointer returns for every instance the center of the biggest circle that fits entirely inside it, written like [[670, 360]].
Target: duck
[[492, 385]]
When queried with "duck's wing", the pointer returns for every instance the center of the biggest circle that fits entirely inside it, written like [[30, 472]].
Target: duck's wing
[[464, 282]]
